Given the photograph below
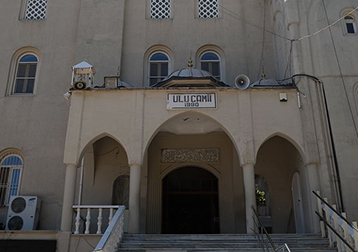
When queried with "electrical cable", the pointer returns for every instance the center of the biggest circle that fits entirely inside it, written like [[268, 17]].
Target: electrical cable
[[108, 152], [335, 159], [233, 14], [340, 69], [289, 61], [262, 62], [329, 25]]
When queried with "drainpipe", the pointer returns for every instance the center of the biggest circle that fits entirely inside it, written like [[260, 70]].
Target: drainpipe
[[337, 180], [81, 183]]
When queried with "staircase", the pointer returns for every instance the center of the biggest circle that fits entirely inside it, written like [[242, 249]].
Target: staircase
[[213, 243]]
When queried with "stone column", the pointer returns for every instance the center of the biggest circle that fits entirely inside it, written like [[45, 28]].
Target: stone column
[[68, 197], [250, 196], [134, 198], [313, 185]]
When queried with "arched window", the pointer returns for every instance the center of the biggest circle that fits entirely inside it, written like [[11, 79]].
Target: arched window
[[158, 67], [210, 62], [350, 24], [25, 74], [10, 175], [120, 194]]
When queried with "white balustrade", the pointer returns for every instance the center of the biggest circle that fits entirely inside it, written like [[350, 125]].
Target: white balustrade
[[114, 233], [355, 230], [348, 240], [90, 209]]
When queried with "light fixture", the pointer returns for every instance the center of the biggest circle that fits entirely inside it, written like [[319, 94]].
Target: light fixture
[[67, 95]]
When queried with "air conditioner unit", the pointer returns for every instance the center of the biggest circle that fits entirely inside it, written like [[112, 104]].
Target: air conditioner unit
[[23, 213]]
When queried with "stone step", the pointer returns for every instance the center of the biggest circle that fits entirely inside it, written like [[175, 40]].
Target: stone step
[[192, 237], [215, 240], [220, 250], [205, 244], [220, 242]]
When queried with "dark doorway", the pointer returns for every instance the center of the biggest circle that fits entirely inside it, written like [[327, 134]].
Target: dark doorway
[[190, 202]]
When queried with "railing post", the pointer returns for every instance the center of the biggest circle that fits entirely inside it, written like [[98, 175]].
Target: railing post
[[99, 223], [328, 219], [355, 235], [113, 234], [320, 211], [78, 218], [336, 227], [345, 231], [88, 221], [110, 215]]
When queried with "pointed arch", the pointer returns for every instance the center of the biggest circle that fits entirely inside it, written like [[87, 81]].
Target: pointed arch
[[95, 139], [286, 137], [179, 166], [278, 159], [220, 126]]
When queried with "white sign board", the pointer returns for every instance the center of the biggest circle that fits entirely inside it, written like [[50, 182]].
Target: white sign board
[[191, 100]]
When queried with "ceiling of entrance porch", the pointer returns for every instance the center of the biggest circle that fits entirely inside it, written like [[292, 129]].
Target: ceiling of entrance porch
[[190, 124]]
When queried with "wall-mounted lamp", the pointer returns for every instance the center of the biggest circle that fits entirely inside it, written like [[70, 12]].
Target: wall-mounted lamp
[[67, 95], [283, 97]]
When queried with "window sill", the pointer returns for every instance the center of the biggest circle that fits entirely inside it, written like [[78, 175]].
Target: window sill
[[22, 95], [350, 34]]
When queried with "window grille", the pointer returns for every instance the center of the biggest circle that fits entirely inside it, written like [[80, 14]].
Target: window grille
[[10, 172], [208, 8], [25, 74], [160, 9], [36, 9]]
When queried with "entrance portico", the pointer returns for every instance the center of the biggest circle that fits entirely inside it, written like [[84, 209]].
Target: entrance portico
[[156, 141]]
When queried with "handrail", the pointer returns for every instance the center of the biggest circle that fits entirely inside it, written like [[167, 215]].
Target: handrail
[[341, 233], [334, 231], [111, 238], [263, 228], [334, 210], [283, 247]]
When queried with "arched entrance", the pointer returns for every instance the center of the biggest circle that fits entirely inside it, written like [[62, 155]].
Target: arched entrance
[[198, 147], [190, 202], [279, 162]]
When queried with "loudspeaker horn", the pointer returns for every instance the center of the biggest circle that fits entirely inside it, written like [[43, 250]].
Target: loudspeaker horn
[[79, 85], [242, 81]]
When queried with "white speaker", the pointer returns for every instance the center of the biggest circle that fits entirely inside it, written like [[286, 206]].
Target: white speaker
[[23, 213], [242, 81]]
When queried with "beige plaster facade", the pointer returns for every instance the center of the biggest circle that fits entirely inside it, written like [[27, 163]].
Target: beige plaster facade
[[108, 133]]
